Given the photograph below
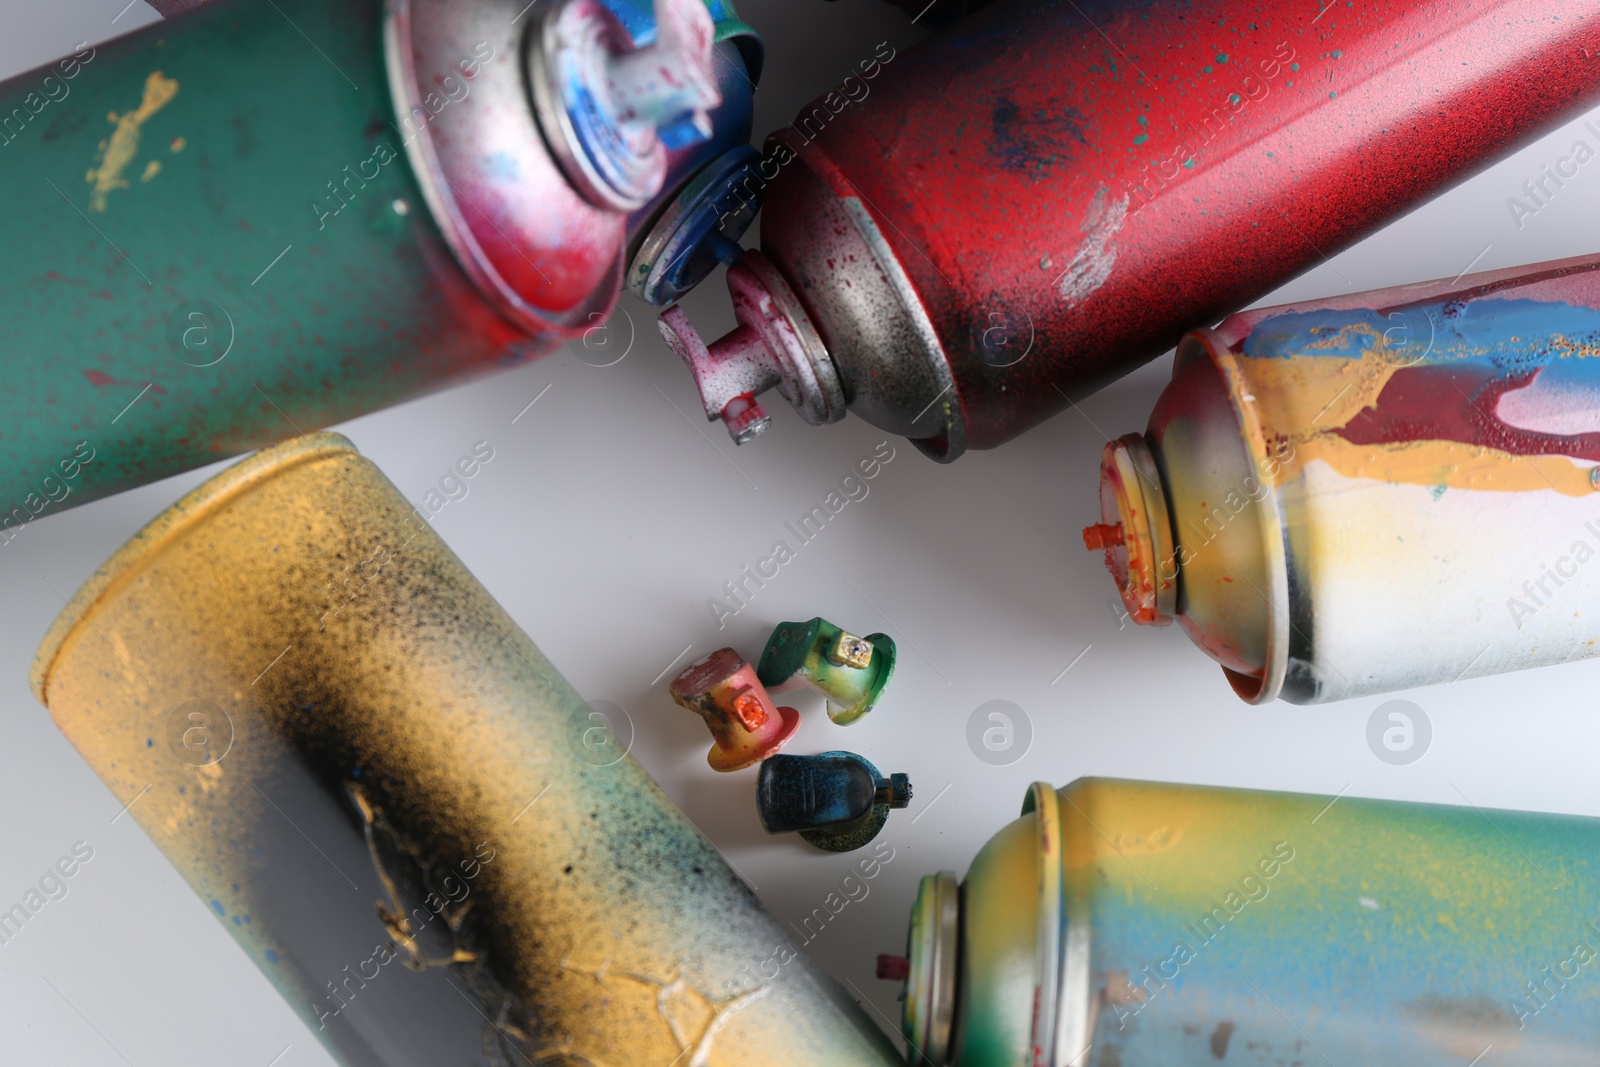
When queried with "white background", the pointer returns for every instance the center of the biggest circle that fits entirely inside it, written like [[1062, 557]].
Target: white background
[[607, 518]]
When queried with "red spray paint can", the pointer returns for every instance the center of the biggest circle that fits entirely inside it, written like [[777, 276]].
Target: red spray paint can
[[965, 237]]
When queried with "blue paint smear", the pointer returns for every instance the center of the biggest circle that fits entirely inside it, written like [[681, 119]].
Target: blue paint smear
[[216, 906], [1301, 936], [1033, 143], [1510, 336], [638, 17], [502, 168]]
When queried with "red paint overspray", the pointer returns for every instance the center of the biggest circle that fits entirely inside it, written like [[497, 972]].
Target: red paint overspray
[[1109, 174]]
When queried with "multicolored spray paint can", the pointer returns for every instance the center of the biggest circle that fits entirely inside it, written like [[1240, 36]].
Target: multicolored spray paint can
[[965, 237], [396, 805], [271, 215], [1376, 491], [1130, 924]]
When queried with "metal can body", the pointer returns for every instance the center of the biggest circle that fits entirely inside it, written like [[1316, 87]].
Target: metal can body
[[1381, 490], [1169, 925], [398, 808], [255, 219], [1043, 196]]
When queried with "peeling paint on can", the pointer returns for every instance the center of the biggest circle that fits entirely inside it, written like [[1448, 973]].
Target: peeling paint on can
[[1375, 491]]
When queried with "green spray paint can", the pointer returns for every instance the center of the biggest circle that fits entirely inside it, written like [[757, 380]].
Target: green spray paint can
[[263, 216], [1136, 924]]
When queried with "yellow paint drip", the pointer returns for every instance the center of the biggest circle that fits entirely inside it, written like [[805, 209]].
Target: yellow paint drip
[[119, 150], [1445, 463]]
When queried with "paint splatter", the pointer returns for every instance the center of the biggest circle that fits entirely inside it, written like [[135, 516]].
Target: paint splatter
[[1034, 143], [1091, 264], [1489, 394], [118, 150], [1220, 1038]]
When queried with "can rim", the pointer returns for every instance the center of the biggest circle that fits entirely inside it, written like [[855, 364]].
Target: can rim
[[950, 444], [1049, 981], [194, 506], [1251, 689], [1133, 495]]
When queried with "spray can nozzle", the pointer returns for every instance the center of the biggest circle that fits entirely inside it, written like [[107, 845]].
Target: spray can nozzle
[[610, 110]]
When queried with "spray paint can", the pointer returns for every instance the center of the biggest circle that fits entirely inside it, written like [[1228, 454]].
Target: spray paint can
[[396, 805], [964, 238], [1133, 924], [1376, 491], [260, 217]]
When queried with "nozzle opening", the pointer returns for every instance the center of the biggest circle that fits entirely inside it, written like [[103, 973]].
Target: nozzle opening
[[1135, 531]]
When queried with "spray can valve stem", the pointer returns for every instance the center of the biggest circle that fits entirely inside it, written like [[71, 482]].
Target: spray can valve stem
[[1102, 535], [773, 347], [730, 372]]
